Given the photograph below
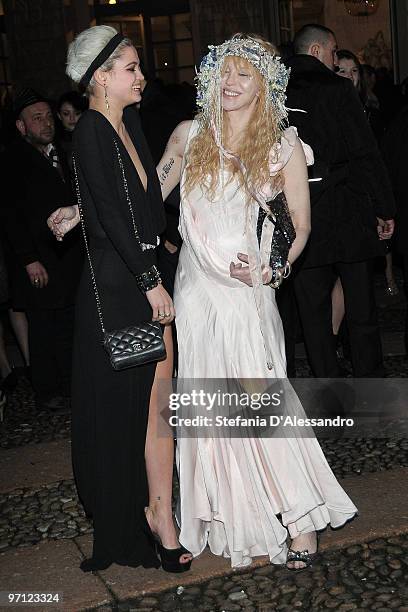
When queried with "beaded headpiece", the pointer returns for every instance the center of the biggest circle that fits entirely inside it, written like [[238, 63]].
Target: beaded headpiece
[[208, 78]]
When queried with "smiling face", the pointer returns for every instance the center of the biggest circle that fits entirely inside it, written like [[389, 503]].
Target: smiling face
[[349, 70], [124, 81], [240, 86]]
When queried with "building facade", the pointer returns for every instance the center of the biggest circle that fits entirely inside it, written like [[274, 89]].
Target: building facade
[[172, 35]]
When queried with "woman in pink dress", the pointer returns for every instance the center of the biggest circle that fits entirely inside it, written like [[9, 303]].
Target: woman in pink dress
[[233, 160]]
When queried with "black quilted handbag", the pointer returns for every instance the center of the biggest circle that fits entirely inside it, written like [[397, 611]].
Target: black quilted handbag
[[134, 345]]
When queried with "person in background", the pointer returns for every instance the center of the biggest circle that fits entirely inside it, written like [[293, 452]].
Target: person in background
[[70, 107], [351, 202], [350, 68], [395, 148], [43, 274]]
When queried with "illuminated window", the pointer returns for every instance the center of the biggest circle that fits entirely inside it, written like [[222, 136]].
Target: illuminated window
[[173, 48]]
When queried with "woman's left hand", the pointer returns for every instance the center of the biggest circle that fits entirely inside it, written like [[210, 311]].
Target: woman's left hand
[[243, 274], [63, 220]]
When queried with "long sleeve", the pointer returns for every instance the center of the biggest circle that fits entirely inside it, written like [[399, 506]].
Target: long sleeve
[[98, 165], [14, 211], [365, 164]]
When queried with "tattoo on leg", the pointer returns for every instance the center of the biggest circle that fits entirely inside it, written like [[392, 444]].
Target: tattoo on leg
[[165, 170]]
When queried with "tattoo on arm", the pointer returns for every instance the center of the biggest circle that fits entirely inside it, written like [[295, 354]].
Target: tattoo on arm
[[165, 170], [174, 140]]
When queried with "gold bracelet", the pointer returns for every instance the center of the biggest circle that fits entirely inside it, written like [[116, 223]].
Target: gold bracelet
[[287, 269], [276, 279]]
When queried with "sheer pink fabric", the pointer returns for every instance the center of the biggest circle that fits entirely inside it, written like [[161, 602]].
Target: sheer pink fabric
[[232, 489]]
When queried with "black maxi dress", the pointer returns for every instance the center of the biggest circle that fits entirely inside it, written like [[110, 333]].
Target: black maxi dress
[[110, 408]]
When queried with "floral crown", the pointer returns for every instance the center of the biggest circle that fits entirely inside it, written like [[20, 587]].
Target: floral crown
[[208, 77]]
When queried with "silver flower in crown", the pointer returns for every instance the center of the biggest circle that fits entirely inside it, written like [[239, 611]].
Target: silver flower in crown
[[208, 77]]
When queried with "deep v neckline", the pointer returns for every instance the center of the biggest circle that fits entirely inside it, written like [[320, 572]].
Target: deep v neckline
[[131, 160], [122, 144]]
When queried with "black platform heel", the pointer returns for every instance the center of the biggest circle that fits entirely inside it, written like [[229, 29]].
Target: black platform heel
[[170, 558]]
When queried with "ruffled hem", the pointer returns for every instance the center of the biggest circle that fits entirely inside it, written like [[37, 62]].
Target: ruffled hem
[[233, 496]]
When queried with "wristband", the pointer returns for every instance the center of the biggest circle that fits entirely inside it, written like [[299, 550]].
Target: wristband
[[149, 280]]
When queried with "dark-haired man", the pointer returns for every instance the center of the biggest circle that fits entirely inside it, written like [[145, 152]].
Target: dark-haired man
[[43, 272], [352, 206]]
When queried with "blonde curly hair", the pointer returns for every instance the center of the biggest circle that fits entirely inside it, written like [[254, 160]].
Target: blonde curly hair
[[256, 142]]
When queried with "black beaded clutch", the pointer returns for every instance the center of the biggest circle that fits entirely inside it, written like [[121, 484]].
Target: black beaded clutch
[[284, 233]]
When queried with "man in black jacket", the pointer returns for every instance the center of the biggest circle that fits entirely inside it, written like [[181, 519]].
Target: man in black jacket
[[395, 149], [44, 273], [352, 207]]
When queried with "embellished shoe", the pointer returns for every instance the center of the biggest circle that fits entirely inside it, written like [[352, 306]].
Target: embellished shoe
[[302, 556]]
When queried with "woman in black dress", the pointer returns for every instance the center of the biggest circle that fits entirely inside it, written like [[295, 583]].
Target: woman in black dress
[[110, 408]]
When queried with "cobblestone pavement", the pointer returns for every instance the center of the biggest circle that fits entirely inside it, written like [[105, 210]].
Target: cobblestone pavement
[[371, 576], [23, 425], [28, 516]]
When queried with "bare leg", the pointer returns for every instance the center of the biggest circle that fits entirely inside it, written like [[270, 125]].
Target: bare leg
[[5, 367], [159, 454], [19, 324], [338, 309]]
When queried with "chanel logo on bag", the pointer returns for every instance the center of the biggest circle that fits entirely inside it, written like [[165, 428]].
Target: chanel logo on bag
[[137, 347]]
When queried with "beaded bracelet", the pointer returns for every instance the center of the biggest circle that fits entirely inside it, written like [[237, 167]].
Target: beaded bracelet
[[276, 279], [149, 280], [279, 275]]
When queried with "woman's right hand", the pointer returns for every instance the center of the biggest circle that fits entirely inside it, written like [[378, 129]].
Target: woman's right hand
[[62, 220], [162, 305]]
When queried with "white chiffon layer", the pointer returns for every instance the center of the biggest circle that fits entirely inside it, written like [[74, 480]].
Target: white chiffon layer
[[232, 489]]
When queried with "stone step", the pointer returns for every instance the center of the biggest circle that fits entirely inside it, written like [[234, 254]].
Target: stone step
[[52, 566], [35, 465]]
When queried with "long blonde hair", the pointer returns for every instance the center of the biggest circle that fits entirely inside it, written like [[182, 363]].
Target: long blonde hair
[[258, 139]]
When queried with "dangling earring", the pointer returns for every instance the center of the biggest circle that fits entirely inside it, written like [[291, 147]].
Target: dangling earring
[[106, 98]]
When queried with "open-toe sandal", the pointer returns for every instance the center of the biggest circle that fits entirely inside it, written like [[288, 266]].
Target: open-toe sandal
[[301, 556]]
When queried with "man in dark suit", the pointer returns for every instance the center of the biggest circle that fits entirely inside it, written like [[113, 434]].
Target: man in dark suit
[[43, 272], [395, 149], [352, 207]]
